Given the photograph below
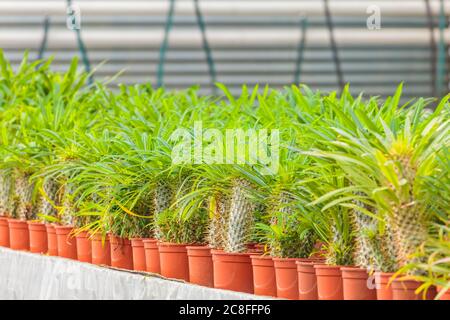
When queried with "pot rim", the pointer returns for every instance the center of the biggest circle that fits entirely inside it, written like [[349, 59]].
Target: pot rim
[[171, 244], [150, 240], [224, 253], [14, 220], [60, 227], [35, 223]]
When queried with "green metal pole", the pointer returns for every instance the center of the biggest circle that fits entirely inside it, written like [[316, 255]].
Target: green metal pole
[[441, 52]]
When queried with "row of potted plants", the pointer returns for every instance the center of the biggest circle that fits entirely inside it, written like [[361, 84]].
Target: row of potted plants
[[251, 272], [367, 179]]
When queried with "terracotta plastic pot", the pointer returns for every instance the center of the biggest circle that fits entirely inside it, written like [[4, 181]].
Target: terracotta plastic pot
[[4, 232], [84, 247], [405, 290], [307, 281], [67, 244], [101, 250], [152, 256], [137, 247], [200, 265], [174, 260], [232, 271], [446, 295], [52, 240], [38, 237], [357, 285], [264, 281], [329, 282], [286, 277], [384, 289], [19, 237], [121, 253]]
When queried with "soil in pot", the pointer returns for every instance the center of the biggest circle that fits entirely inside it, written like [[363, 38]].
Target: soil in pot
[[405, 290], [84, 247], [357, 285], [329, 282], [173, 260], [52, 240], [200, 265], [4, 232], [121, 253], [137, 246], [286, 278], [38, 237], [307, 280], [384, 289], [264, 281], [67, 243], [232, 271], [101, 250], [152, 256], [19, 237]]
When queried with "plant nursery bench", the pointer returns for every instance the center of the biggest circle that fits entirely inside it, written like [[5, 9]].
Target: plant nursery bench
[[26, 275]]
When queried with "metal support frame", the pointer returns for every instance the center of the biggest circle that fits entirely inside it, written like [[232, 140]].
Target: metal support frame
[[165, 44], [81, 47], [333, 45], [300, 49], [43, 45]]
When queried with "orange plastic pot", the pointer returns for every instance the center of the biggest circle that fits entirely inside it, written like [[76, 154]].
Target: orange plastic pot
[[446, 295], [19, 237], [84, 247], [4, 232], [384, 289], [200, 265], [173, 260], [38, 237], [137, 247], [307, 280], [121, 253], [357, 285], [67, 244], [232, 271], [264, 281], [101, 250], [52, 240], [329, 282], [286, 277], [152, 256], [405, 290]]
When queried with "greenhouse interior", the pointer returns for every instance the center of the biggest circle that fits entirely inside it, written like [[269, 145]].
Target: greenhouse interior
[[252, 150]]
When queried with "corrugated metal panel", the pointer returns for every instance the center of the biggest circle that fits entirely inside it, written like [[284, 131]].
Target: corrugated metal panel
[[252, 41]]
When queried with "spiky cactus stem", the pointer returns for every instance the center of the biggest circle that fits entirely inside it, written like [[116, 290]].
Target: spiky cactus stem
[[340, 251], [241, 220], [410, 232], [294, 242], [365, 229], [407, 219], [5, 192], [385, 257], [24, 194], [69, 210], [219, 214], [47, 198], [163, 198]]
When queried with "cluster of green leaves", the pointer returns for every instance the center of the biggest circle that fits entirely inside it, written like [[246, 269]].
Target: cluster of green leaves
[[349, 169]]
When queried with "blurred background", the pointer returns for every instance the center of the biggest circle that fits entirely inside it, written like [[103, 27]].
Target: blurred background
[[373, 45]]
